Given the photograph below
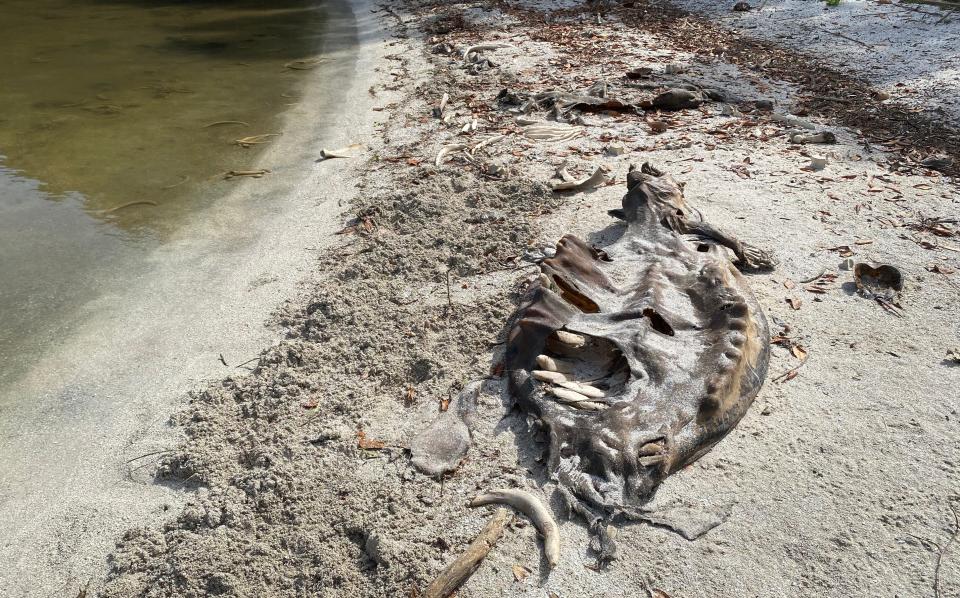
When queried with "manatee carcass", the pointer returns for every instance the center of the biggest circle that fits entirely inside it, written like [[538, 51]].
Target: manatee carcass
[[639, 357]]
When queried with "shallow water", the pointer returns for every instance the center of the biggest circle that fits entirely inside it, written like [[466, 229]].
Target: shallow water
[[118, 120]]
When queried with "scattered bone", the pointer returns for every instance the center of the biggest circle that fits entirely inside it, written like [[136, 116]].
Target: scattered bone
[[563, 174], [343, 152], [598, 178], [447, 150], [470, 126], [817, 163], [584, 389], [485, 142], [255, 139], [821, 137], [615, 150], [548, 376], [483, 48], [530, 506], [793, 121], [467, 563]]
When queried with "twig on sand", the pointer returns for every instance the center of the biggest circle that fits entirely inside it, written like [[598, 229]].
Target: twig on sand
[[467, 563], [946, 547], [848, 38], [449, 299], [150, 454]]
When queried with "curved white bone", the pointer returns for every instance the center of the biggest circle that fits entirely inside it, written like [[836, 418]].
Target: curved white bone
[[482, 48], [530, 506]]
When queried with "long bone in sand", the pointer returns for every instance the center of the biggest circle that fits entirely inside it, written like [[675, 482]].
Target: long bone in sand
[[640, 357]]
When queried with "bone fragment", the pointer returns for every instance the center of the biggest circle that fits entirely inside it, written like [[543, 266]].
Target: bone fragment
[[343, 152], [443, 102], [563, 174], [570, 339], [447, 150], [821, 137], [530, 506], [585, 389], [548, 376], [485, 142], [467, 563], [482, 48], [565, 395], [793, 121], [599, 177], [817, 163], [554, 365]]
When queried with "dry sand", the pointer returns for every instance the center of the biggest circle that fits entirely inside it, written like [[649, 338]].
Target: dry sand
[[838, 482]]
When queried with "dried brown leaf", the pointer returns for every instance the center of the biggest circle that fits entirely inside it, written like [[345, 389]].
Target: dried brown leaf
[[368, 444], [520, 572]]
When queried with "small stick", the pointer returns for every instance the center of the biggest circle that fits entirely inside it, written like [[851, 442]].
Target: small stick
[[129, 205], [226, 122], [449, 300], [467, 563], [812, 278], [177, 184], [946, 547]]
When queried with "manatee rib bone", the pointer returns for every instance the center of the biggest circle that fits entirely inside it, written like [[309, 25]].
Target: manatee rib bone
[[585, 389], [554, 365], [530, 506], [548, 376]]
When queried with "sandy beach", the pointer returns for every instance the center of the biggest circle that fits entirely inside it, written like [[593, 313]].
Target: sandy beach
[[294, 477]]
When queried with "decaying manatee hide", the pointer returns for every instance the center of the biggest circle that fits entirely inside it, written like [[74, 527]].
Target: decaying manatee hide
[[640, 357]]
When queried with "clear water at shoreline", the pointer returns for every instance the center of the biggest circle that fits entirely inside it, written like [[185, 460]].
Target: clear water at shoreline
[[118, 120]]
